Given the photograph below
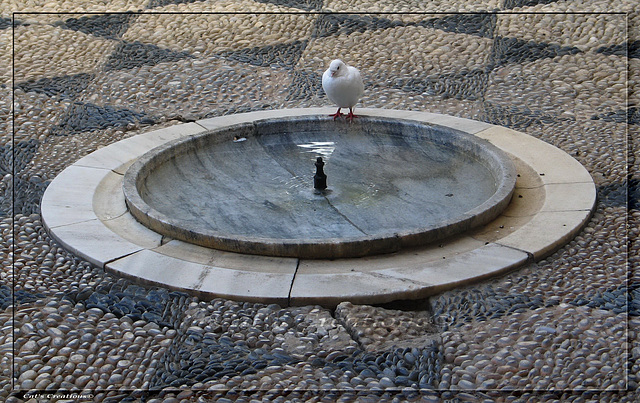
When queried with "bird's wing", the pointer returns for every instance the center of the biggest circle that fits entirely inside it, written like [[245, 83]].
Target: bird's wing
[[325, 80], [357, 79]]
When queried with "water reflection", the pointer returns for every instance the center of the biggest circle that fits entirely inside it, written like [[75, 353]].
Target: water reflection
[[321, 148]]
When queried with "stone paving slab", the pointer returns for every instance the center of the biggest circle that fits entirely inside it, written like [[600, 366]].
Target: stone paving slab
[[108, 200], [534, 236], [204, 280], [233, 261], [94, 242], [129, 149], [68, 199], [461, 269]]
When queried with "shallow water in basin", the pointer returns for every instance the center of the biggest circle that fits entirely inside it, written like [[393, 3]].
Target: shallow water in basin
[[262, 186]]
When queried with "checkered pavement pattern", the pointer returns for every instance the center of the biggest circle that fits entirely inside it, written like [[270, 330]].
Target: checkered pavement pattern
[[162, 60]]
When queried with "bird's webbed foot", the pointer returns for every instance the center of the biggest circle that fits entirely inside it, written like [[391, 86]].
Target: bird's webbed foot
[[337, 114], [351, 115]]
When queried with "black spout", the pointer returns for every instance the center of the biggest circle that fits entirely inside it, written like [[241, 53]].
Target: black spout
[[320, 179]]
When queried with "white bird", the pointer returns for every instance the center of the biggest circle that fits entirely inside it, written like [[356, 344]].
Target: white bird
[[343, 85]]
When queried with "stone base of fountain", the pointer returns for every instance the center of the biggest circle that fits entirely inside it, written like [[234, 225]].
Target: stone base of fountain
[[86, 210]]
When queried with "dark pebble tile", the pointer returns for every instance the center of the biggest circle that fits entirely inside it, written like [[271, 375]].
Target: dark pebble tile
[[87, 117], [5, 23], [162, 3], [18, 156], [102, 25], [128, 55], [630, 116], [7, 296], [516, 118], [618, 300], [629, 49], [464, 84], [305, 85], [308, 5], [480, 24], [23, 198], [282, 55], [513, 51], [346, 24], [509, 4]]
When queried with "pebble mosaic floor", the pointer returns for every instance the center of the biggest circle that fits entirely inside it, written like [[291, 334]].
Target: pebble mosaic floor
[[562, 329]]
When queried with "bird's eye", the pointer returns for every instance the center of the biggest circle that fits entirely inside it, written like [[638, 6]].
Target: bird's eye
[[338, 68]]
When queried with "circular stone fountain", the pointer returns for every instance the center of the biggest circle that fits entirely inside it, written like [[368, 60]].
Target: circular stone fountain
[[244, 186], [248, 188]]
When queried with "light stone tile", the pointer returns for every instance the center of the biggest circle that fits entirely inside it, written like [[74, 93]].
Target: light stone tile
[[110, 157], [465, 125], [110, 207], [145, 142], [217, 122], [329, 290], [407, 6], [367, 280], [155, 268], [172, 132], [66, 6], [375, 53], [399, 114], [525, 202], [410, 258], [546, 232], [567, 82], [552, 164], [570, 197], [127, 227], [213, 33], [228, 6], [122, 152], [462, 269], [499, 228], [69, 52], [108, 198], [69, 197], [229, 260], [122, 169], [6, 38], [527, 177], [585, 31], [137, 146], [92, 241]]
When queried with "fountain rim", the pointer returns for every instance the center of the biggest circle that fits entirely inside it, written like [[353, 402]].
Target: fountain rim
[[491, 157]]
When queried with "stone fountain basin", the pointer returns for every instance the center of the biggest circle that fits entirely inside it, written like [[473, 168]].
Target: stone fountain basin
[[248, 188]]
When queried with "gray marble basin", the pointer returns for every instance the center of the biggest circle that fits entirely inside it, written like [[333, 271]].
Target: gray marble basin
[[248, 188]]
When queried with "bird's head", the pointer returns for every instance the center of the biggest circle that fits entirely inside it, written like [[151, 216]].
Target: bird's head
[[337, 68]]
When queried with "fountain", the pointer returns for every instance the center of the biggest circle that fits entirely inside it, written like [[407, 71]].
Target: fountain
[[395, 184], [292, 207]]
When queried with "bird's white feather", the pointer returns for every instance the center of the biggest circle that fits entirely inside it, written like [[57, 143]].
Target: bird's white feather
[[342, 84]]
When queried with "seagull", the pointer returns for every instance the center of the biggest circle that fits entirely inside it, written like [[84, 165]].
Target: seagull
[[343, 85]]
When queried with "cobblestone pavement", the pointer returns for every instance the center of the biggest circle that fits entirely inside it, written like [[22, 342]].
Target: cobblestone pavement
[[562, 329]]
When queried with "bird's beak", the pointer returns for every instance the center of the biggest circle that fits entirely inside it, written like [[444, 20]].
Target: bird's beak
[[333, 73]]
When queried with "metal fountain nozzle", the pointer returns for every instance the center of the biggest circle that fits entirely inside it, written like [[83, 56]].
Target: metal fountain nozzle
[[320, 178]]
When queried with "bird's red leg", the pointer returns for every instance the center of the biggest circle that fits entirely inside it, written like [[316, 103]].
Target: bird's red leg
[[351, 115], [337, 114]]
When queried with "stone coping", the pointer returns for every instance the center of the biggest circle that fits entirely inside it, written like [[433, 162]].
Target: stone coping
[[295, 239], [84, 209]]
